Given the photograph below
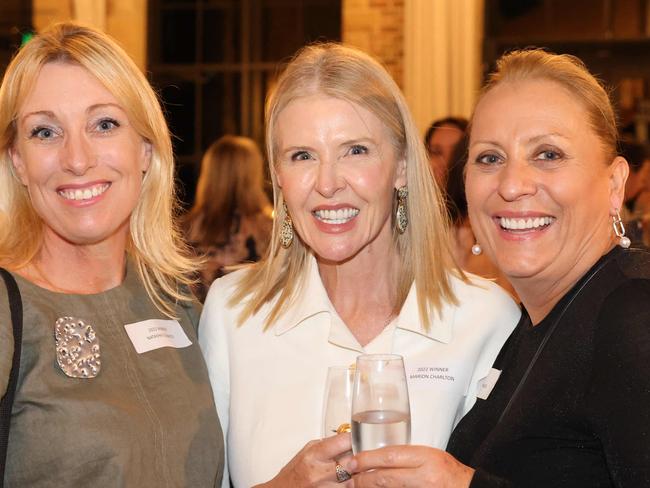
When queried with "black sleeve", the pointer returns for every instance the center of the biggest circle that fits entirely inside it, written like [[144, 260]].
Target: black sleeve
[[618, 395], [483, 479]]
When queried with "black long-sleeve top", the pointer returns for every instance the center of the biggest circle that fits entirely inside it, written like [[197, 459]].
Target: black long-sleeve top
[[582, 416]]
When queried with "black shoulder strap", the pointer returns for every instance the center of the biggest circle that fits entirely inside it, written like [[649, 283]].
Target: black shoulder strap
[[16, 309]]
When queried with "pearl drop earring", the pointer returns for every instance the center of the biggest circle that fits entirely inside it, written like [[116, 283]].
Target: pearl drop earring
[[476, 249], [619, 230]]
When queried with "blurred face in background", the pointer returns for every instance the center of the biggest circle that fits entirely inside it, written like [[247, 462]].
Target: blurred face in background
[[440, 148], [540, 188], [337, 170]]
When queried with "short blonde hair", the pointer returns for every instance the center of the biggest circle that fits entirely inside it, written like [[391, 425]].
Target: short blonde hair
[[231, 183], [569, 72], [159, 253], [348, 74]]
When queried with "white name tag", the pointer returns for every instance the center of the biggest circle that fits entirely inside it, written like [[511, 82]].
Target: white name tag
[[425, 376], [486, 385], [155, 333]]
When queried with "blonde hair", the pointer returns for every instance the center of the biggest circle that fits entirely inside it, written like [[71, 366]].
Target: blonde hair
[[569, 72], [231, 184], [348, 74], [158, 252]]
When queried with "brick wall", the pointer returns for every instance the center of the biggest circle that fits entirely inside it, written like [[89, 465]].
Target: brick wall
[[377, 27]]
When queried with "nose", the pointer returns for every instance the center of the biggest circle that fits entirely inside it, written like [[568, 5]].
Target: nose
[[517, 180], [78, 154], [329, 180]]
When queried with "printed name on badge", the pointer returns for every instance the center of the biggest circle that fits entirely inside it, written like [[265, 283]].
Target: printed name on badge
[[155, 333], [425, 375]]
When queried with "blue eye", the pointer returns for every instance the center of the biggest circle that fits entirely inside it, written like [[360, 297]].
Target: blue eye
[[106, 125], [488, 159], [300, 156], [358, 149], [42, 133], [549, 155]]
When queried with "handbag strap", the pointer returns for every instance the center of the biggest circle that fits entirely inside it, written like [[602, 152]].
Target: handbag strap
[[16, 310]]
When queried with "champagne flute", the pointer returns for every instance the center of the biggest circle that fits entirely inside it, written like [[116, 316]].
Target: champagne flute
[[337, 401], [381, 415]]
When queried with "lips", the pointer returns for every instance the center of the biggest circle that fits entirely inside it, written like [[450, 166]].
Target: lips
[[80, 194], [337, 216]]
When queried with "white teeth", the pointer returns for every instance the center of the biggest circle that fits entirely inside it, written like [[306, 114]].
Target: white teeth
[[525, 224], [339, 216], [85, 194]]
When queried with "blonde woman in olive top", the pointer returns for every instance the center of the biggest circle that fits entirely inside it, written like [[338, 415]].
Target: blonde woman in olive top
[[112, 389]]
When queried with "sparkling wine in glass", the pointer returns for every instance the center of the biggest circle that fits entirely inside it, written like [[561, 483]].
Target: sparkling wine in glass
[[337, 401], [381, 415]]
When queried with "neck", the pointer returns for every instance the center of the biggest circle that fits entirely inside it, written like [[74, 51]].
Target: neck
[[362, 290], [64, 267], [540, 295]]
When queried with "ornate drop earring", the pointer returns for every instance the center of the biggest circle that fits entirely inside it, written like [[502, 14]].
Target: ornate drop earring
[[286, 231], [619, 230], [401, 214]]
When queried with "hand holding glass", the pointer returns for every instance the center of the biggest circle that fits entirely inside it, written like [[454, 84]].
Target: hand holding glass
[[381, 414]]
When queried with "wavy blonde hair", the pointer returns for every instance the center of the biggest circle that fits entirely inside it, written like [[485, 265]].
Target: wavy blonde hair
[[348, 74], [159, 253]]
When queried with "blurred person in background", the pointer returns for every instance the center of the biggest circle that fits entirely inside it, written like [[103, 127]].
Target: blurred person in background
[[101, 277], [440, 140], [636, 215], [230, 222]]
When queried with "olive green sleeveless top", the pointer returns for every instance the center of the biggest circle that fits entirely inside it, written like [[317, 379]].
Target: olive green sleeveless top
[[146, 420]]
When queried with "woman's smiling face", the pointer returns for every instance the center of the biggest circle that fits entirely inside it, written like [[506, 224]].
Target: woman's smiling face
[[338, 171], [77, 154], [540, 187]]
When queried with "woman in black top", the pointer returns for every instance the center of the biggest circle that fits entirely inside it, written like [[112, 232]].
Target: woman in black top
[[568, 401]]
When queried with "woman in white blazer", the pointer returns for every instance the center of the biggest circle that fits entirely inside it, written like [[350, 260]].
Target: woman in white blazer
[[359, 263]]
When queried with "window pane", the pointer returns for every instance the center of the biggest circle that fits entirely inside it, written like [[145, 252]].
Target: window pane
[[221, 35], [178, 36], [221, 106], [178, 99]]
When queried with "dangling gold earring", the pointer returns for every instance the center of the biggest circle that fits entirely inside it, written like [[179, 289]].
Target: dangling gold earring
[[401, 214], [286, 231]]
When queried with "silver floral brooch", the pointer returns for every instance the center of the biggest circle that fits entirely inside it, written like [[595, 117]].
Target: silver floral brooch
[[77, 348]]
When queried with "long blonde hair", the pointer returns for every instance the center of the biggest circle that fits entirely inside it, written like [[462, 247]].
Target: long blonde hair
[[348, 74], [154, 244], [231, 184]]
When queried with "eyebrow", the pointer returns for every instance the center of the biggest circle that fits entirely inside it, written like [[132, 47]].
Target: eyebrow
[[49, 113]]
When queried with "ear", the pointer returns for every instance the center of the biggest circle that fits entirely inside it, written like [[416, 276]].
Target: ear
[[618, 172], [19, 165], [146, 156], [400, 174]]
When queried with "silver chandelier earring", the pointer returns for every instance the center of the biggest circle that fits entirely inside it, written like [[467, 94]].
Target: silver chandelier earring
[[476, 249], [401, 214], [619, 230], [286, 230]]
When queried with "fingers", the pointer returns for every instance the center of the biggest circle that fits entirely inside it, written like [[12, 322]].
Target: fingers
[[393, 478], [391, 457], [334, 446]]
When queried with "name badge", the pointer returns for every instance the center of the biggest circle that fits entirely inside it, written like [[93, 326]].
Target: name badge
[[427, 375], [486, 385], [155, 333]]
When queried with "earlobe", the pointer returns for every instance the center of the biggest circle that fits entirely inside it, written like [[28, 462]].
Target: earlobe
[[146, 157], [619, 171], [400, 176]]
